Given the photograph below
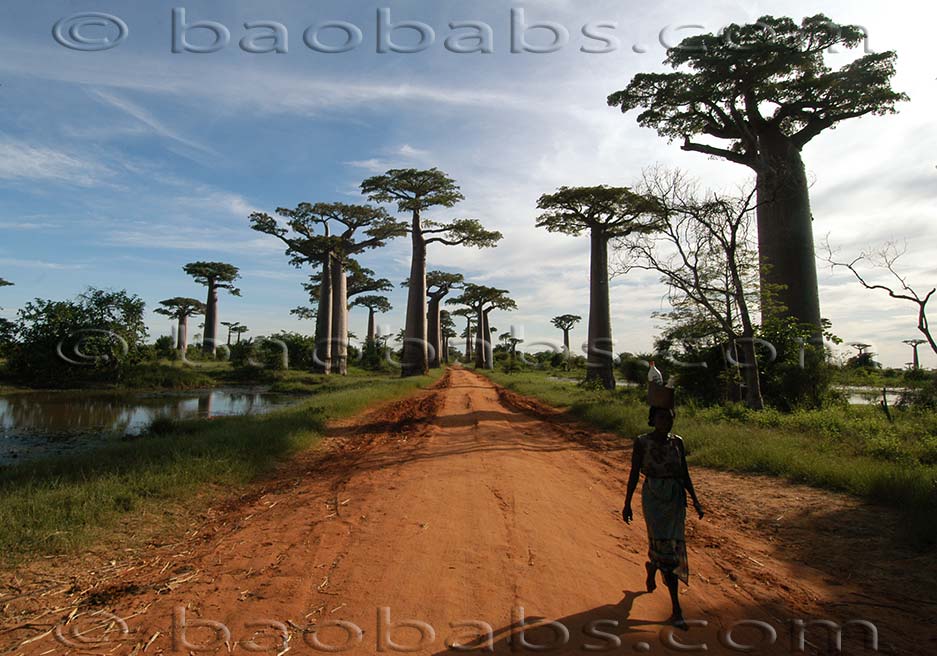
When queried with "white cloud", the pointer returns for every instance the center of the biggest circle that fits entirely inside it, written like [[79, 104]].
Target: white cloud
[[20, 161]]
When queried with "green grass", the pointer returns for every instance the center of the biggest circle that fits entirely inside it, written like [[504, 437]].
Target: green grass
[[63, 504], [852, 449]]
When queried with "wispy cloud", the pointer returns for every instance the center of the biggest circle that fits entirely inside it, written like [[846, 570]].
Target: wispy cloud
[[156, 126], [20, 160]]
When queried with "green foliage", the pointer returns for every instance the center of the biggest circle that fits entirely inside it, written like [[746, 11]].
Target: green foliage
[[94, 337], [602, 210], [723, 82], [218, 275], [413, 190], [165, 347]]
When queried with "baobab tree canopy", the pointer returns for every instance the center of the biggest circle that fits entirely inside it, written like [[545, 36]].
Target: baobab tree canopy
[[374, 303], [764, 90], [179, 307], [608, 211], [5, 283], [218, 275], [566, 321], [413, 190], [752, 78]]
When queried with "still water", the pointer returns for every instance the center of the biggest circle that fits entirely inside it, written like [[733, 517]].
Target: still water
[[38, 424]]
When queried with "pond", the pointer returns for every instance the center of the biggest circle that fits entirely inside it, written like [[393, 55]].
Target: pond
[[39, 424]]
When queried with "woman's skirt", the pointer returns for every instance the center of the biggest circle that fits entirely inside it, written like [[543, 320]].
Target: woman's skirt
[[663, 502]]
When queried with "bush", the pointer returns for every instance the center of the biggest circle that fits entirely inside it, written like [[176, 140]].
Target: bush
[[91, 338]]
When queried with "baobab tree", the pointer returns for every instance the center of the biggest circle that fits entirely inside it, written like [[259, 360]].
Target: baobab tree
[[416, 191], [438, 285], [240, 330], [468, 314], [765, 91], [180, 309], [482, 300], [334, 250], [5, 283], [215, 276], [375, 305], [606, 213], [447, 331], [230, 325], [566, 322], [914, 343]]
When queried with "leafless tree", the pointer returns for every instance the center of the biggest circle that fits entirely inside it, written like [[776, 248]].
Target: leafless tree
[[705, 253], [885, 260]]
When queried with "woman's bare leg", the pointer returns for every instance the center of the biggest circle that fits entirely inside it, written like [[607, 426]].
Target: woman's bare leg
[[673, 585], [651, 576]]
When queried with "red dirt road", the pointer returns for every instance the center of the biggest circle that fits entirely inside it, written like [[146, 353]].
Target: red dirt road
[[463, 505]]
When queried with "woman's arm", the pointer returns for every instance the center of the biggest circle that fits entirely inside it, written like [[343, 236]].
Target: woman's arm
[[637, 455], [687, 481]]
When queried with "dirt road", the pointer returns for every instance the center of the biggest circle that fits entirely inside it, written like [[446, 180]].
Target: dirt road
[[468, 508]]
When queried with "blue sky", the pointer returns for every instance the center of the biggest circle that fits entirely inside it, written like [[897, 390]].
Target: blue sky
[[118, 167]]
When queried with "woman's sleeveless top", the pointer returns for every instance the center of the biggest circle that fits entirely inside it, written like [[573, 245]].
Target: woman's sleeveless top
[[661, 459]]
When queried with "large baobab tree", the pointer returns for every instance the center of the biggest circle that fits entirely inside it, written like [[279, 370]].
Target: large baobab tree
[[215, 276], [482, 300], [375, 305], [439, 284], [606, 213], [566, 322], [764, 90], [333, 250], [415, 192], [468, 314], [180, 309]]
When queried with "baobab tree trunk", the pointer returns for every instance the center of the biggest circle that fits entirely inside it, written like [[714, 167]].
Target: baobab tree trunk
[[211, 319], [415, 360], [182, 333], [489, 344], [785, 230], [566, 348], [480, 339], [323, 359], [468, 339], [339, 318], [445, 349], [371, 326], [599, 347], [434, 333]]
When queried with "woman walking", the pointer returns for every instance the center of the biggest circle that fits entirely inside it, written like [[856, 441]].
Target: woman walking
[[661, 457]]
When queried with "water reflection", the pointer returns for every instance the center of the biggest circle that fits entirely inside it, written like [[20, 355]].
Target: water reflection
[[40, 423]]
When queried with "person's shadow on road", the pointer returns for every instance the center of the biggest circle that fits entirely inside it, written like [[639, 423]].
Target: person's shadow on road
[[603, 629]]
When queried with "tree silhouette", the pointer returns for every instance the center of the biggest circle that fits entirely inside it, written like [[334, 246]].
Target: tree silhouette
[[215, 276], [230, 325], [482, 300], [448, 331], [765, 91], [416, 191], [605, 213], [240, 330], [468, 314], [374, 304], [181, 308], [438, 285], [566, 322], [914, 343]]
